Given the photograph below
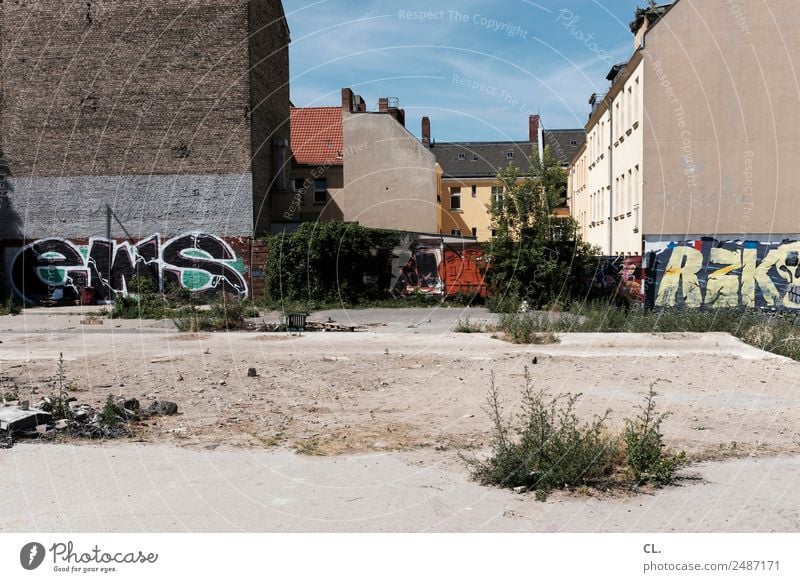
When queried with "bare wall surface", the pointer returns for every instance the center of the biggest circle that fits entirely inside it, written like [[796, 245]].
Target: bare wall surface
[[721, 125], [128, 206], [390, 177]]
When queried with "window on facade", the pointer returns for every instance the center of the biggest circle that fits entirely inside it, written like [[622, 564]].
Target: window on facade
[[509, 155], [494, 232], [300, 188], [455, 198], [474, 157], [497, 195], [474, 231], [455, 232], [462, 156], [474, 191], [573, 143], [321, 191]]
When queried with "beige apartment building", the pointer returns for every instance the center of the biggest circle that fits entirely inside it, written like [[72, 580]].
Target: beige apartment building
[[691, 156], [349, 164]]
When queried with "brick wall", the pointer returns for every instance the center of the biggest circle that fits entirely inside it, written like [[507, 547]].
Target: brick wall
[[96, 92]]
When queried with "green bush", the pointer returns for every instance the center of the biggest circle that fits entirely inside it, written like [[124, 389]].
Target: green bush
[[547, 448], [644, 447], [327, 262], [226, 316], [10, 307], [467, 326], [109, 416], [527, 328]]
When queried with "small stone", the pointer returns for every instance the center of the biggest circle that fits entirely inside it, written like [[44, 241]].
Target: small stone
[[25, 405], [222, 382], [252, 373], [62, 424], [520, 490]]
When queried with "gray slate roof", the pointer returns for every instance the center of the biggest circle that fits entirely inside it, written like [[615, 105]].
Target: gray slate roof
[[560, 142], [482, 159]]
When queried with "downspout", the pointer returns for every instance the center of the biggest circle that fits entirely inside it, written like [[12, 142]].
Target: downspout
[[610, 179]]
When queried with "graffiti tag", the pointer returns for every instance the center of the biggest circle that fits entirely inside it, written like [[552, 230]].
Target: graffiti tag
[[711, 273], [200, 262]]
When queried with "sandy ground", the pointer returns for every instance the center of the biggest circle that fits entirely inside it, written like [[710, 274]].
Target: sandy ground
[[389, 407]]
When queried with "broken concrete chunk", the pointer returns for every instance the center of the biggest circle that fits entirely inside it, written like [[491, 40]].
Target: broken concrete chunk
[[15, 418], [251, 373], [164, 408]]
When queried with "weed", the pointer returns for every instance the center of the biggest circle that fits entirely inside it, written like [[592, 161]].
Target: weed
[[644, 446], [527, 328], [110, 413], [547, 448], [60, 405], [467, 326], [10, 307]]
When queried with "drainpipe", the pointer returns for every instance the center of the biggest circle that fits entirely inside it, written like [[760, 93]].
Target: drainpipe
[[610, 179]]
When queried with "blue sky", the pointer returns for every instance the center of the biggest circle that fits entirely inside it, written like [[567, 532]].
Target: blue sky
[[477, 68]]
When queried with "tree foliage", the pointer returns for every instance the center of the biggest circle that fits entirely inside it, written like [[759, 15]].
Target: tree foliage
[[536, 256], [328, 262]]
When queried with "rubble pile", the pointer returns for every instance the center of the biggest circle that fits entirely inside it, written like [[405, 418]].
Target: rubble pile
[[64, 415]]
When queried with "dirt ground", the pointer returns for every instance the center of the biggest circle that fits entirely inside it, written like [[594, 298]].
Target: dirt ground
[[405, 386]]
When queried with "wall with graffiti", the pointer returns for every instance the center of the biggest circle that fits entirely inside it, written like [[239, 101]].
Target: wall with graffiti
[[712, 273], [619, 279], [52, 268], [438, 266]]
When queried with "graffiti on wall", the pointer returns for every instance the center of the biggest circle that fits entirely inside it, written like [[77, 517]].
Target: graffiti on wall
[[200, 262], [435, 267], [619, 279], [711, 273]]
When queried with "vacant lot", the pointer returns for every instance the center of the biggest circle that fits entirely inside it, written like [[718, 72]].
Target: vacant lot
[[404, 394]]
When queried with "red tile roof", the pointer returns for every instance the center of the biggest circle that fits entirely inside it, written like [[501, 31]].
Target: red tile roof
[[316, 135]]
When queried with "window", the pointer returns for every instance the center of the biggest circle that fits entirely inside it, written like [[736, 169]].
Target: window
[[455, 198], [497, 195], [474, 191], [462, 156], [455, 232], [474, 231], [573, 143], [509, 155], [494, 232], [474, 157], [321, 191]]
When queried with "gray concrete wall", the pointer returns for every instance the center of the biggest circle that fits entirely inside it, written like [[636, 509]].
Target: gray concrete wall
[[389, 176], [75, 207]]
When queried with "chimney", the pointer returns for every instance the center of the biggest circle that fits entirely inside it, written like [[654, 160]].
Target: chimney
[[426, 132], [361, 105], [533, 129], [383, 105], [347, 100]]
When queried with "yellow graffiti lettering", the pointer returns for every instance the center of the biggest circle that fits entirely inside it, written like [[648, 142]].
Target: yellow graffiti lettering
[[722, 287], [754, 273], [681, 277]]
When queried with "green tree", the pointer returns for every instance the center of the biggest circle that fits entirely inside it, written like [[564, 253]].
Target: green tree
[[536, 256]]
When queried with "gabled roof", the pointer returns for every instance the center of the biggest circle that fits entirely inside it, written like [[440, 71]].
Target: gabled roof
[[563, 143], [316, 135], [481, 159]]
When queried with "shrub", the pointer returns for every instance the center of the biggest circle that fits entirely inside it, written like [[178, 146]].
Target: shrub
[[645, 448], [467, 326], [110, 413], [547, 448], [10, 307], [527, 328], [328, 262]]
